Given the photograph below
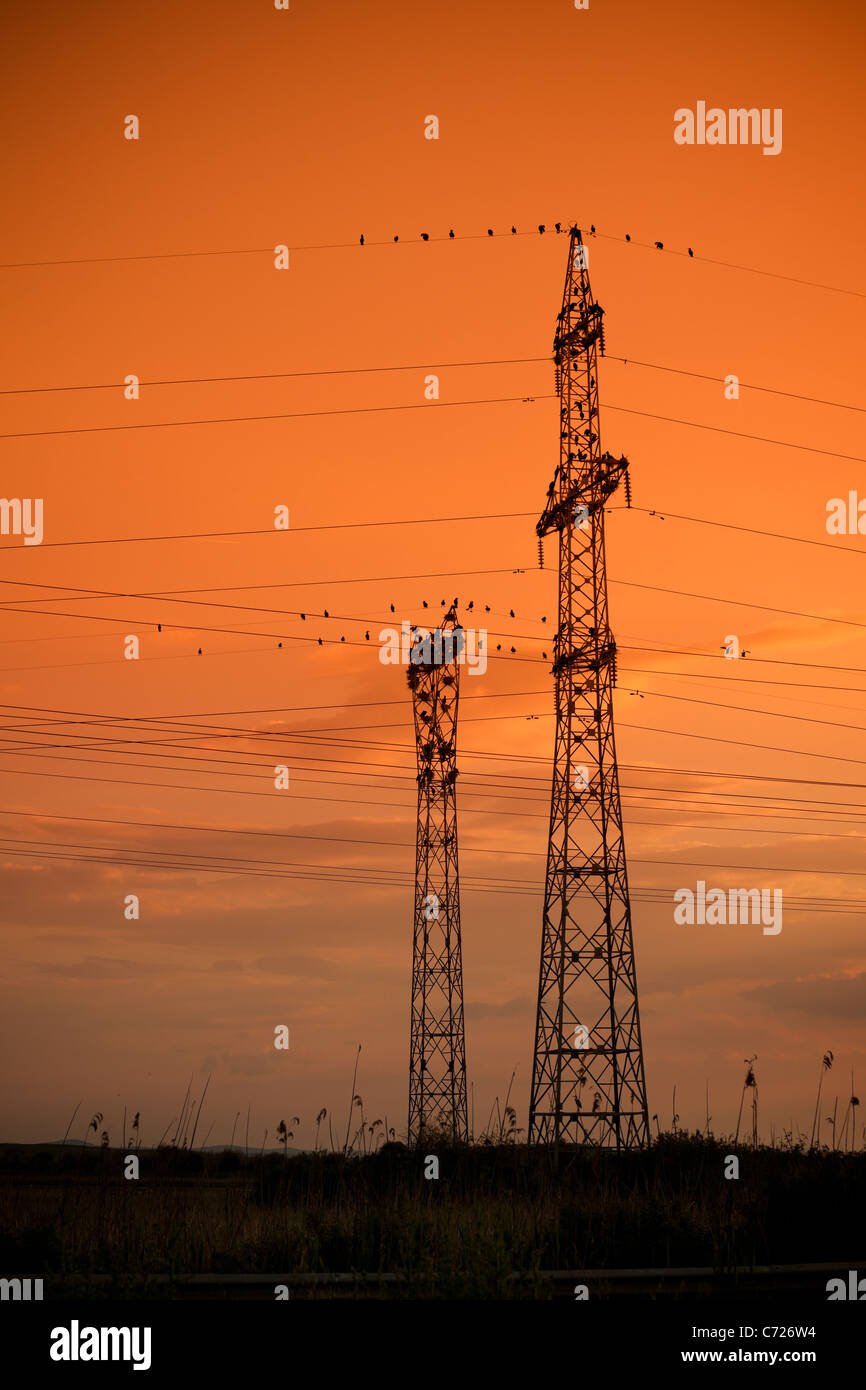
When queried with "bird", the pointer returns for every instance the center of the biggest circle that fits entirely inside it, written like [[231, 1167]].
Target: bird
[[691, 253], [303, 617], [544, 620], [451, 234], [591, 229], [514, 231], [511, 612], [499, 646], [342, 639], [541, 228], [627, 237], [327, 614], [424, 603], [558, 226], [660, 246], [279, 644], [393, 609], [490, 231], [319, 640], [514, 649], [424, 236], [366, 636], [396, 238], [486, 608], [199, 651], [544, 656], [159, 627], [470, 605], [362, 238]]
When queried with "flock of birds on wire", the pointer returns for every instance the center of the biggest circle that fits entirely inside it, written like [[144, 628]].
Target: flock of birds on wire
[[542, 228]]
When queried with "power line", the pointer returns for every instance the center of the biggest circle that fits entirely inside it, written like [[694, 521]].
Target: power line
[[418, 367], [428, 406], [421, 239]]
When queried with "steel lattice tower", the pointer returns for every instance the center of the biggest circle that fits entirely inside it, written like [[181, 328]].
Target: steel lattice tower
[[437, 1048], [588, 1077]]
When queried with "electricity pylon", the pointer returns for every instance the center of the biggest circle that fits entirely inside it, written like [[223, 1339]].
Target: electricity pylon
[[588, 1082], [437, 1046]]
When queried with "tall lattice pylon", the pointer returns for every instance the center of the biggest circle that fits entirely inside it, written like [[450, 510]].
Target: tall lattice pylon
[[588, 1082], [437, 1048]]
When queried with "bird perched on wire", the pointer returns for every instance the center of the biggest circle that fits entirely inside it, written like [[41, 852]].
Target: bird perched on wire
[[514, 231], [303, 617], [660, 246], [627, 237], [424, 236], [362, 238], [396, 238], [451, 234], [424, 602], [159, 627], [327, 614], [393, 609], [691, 253], [319, 640], [558, 226], [490, 231], [511, 612], [541, 228], [591, 229]]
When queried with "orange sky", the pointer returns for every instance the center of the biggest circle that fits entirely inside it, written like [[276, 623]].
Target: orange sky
[[306, 127]]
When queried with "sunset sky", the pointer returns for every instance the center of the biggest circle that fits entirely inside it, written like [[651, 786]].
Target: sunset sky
[[155, 257]]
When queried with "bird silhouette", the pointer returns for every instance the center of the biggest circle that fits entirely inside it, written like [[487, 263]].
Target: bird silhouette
[[660, 245], [366, 636], [279, 644], [490, 231], [393, 609], [342, 639], [159, 627], [541, 228], [691, 253], [511, 612], [558, 226], [514, 231], [486, 608], [424, 603], [499, 646], [627, 237], [451, 234], [591, 229], [319, 640], [327, 614], [514, 649], [199, 651], [424, 236], [396, 238], [544, 656], [303, 617], [362, 239]]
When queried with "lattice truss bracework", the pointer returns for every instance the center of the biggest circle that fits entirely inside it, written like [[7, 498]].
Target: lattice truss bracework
[[437, 1049], [588, 1082]]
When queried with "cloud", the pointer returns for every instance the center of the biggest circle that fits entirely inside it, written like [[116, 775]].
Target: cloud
[[842, 996], [511, 1008]]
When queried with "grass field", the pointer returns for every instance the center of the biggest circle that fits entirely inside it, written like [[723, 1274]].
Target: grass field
[[68, 1214]]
